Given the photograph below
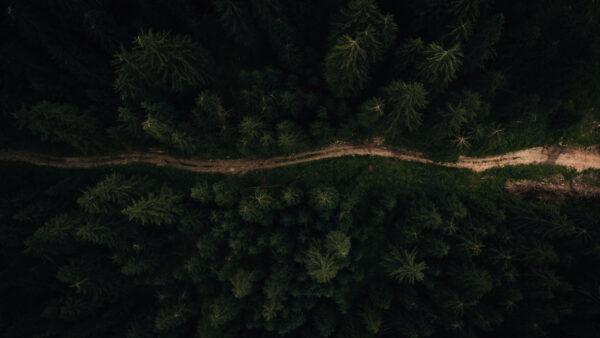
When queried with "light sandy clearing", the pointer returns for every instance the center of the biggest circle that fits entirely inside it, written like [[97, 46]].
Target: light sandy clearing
[[579, 159]]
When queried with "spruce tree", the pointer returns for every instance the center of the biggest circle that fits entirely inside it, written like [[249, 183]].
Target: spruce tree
[[401, 265], [113, 189], [404, 102], [161, 61], [156, 208], [320, 264], [62, 123], [439, 66]]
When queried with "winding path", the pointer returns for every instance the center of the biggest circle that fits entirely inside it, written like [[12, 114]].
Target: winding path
[[562, 156]]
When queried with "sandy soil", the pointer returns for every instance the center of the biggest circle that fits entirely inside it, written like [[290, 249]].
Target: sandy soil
[[578, 159]]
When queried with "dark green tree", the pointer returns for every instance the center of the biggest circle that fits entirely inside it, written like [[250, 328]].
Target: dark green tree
[[156, 208], [62, 123], [404, 103], [161, 61]]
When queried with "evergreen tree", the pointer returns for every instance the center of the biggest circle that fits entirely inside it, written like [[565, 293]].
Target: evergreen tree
[[338, 243], [241, 283], [222, 311], [401, 265], [370, 112], [320, 265], [235, 19], [156, 208], [172, 316], [114, 188], [439, 66], [405, 102], [62, 123], [161, 61], [324, 199], [359, 37]]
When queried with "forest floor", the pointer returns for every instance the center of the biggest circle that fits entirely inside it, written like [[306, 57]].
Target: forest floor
[[577, 158], [557, 188]]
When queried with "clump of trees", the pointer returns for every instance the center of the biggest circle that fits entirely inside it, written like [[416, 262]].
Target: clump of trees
[[260, 79], [257, 255]]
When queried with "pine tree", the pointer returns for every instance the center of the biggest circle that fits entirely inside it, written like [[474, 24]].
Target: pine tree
[[172, 316], [324, 199], [407, 53], [62, 123], [291, 196], [160, 61], [370, 112], [360, 35], [226, 193], [209, 115], [290, 137], [401, 265], [235, 19], [338, 243], [348, 65], [114, 188], [202, 192], [56, 236], [371, 318], [481, 48], [321, 265], [241, 283], [404, 101], [222, 310], [156, 208], [439, 66]]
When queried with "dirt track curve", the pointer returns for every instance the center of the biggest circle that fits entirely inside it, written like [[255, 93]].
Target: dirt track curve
[[562, 156]]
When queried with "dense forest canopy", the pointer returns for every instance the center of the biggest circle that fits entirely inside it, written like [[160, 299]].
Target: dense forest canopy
[[265, 77], [341, 248], [346, 247]]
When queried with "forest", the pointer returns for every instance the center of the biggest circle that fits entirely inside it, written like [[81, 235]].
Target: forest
[[337, 248], [271, 77], [354, 246]]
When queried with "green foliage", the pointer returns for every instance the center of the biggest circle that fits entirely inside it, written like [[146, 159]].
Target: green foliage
[[159, 60], [241, 283], [225, 192], [156, 208], [202, 192], [171, 317], [338, 243], [405, 102], [359, 37], [401, 265], [114, 189], [320, 265], [62, 123], [222, 311], [439, 66], [348, 65], [289, 137], [370, 112], [324, 199], [235, 20]]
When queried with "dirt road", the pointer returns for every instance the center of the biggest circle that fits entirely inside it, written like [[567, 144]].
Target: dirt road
[[570, 157]]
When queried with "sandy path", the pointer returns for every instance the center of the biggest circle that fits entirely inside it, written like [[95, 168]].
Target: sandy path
[[570, 157]]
